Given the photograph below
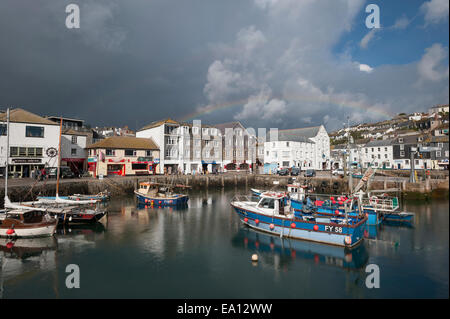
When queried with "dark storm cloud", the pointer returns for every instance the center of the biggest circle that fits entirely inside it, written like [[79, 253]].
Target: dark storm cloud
[[131, 62], [268, 63]]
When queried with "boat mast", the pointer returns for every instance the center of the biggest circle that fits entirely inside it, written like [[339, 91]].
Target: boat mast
[[350, 178], [59, 159], [7, 155]]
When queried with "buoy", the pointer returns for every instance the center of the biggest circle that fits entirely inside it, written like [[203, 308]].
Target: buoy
[[245, 219], [256, 221], [334, 202], [332, 198], [10, 231], [159, 202], [254, 257], [293, 225], [336, 212], [316, 228], [271, 226], [10, 245], [341, 202], [348, 240]]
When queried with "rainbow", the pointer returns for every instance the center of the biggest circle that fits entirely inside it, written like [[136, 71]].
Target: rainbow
[[342, 103]]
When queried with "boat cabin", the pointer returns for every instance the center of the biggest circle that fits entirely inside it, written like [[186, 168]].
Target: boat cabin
[[22, 217], [276, 202], [296, 191]]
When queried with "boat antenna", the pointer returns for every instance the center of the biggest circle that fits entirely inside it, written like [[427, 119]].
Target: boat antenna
[[59, 159], [7, 156]]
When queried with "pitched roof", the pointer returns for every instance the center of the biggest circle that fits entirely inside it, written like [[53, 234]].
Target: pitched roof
[[126, 142], [70, 131], [21, 116], [376, 143], [297, 134], [233, 125], [158, 123]]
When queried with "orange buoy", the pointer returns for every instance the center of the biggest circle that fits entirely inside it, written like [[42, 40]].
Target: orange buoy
[[10, 245], [256, 221], [245, 219], [10, 231], [316, 228], [336, 212], [293, 225], [271, 226], [348, 240]]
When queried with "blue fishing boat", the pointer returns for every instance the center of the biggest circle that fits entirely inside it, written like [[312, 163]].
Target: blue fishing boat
[[155, 194], [271, 214]]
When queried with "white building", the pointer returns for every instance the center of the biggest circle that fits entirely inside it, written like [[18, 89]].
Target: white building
[[73, 150], [307, 148], [186, 148], [33, 142], [379, 154]]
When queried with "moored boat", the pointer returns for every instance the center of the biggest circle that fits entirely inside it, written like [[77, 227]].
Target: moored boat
[[154, 194], [272, 215], [22, 223]]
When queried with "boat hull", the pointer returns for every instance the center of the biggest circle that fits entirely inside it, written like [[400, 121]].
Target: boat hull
[[78, 218], [178, 200], [327, 233], [25, 232]]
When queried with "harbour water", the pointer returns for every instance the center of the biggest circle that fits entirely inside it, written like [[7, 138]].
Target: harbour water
[[203, 251]]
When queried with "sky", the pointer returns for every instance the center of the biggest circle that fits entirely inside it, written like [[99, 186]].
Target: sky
[[267, 63]]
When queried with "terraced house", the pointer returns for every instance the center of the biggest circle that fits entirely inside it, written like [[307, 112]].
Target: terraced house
[[185, 148]]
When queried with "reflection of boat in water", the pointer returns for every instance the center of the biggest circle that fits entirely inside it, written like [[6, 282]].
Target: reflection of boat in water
[[86, 229], [140, 205], [26, 247], [297, 249]]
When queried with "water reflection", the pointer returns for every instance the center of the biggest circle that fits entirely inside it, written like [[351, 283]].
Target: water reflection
[[278, 253]]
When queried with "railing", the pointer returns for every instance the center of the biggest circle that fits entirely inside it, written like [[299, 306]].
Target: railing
[[245, 198], [381, 204]]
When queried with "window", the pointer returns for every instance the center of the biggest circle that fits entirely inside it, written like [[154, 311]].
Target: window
[[379, 149], [438, 153], [287, 144], [138, 166], [385, 155], [130, 152], [74, 140], [110, 152], [440, 145], [22, 151], [402, 147], [73, 151], [148, 153], [407, 162], [402, 153], [379, 156], [3, 129], [34, 131], [13, 151], [385, 149]]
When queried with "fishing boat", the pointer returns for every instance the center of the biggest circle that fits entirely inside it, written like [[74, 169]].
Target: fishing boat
[[155, 194], [271, 214]]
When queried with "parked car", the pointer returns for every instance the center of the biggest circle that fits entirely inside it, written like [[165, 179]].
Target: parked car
[[64, 172], [283, 172], [310, 173], [295, 171], [339, 172]]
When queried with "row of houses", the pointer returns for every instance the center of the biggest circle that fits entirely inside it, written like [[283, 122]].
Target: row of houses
[[166, 146], [418, 151]]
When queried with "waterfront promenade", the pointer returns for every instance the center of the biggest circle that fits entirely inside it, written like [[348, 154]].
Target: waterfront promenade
[[324, 182]]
